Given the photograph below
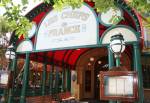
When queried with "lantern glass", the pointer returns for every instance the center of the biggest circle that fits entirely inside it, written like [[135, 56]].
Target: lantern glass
[[10, 54], [117, 46]]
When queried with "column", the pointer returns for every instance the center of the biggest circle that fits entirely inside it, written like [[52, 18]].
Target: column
[[51, 91], [10, 97], [68, 79], [63, 78], [138, 68], [50, 80], [57, 81], [44, 79], [25, 77]]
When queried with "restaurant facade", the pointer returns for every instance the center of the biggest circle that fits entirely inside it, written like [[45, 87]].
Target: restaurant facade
[[66, 50]]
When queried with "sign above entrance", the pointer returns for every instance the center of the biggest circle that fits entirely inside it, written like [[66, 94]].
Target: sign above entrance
[[69, 28]]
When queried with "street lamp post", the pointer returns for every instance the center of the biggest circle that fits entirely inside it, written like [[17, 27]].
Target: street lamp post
[[10, 54], [117, 46]]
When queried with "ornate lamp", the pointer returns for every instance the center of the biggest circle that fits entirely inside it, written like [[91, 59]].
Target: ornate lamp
[[117, 44], [10, 52]]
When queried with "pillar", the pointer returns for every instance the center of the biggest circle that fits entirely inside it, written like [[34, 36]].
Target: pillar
[[44, 79], [25, 77], [57, 81], [51, 79], [63, 78], [50, 82], [68, 79], [138, 68], [10, 96]]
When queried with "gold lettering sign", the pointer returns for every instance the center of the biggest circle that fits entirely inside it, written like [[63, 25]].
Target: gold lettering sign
[[64, 31], [75, 15], [68, 28]]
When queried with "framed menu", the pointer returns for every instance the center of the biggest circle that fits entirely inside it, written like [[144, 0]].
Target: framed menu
[[5, 79], [118, 85]]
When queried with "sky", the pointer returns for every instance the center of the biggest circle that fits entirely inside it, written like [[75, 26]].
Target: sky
[[30, 6]]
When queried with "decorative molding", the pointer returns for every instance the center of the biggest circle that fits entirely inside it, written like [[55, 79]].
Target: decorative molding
[[25, 46], [128, 33]]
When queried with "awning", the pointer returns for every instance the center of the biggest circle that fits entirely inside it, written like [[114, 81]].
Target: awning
[[67, 57]]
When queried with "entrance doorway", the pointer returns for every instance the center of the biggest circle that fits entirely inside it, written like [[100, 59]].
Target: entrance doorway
[[101, 64], [88, 67], [87, 73]]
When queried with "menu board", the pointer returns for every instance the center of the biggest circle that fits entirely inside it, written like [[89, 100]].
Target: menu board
[[120, 85]]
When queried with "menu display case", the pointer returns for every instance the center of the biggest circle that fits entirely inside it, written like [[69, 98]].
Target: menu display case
[[118, 85]]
